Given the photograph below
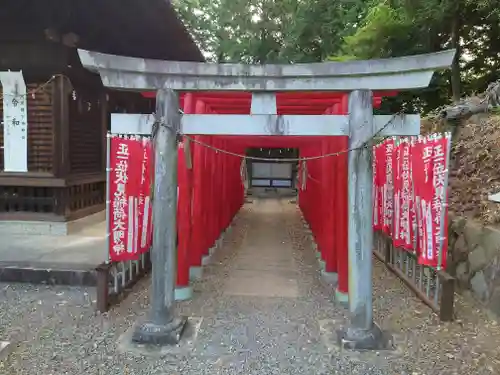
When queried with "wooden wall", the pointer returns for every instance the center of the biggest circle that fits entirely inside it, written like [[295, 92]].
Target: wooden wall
[[86, 134], [67, 125]]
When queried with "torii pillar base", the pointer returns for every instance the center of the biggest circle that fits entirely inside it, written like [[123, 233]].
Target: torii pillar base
[[353, 338], [150, 333]]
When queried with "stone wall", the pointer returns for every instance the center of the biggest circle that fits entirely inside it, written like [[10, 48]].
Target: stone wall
[[474, 259]]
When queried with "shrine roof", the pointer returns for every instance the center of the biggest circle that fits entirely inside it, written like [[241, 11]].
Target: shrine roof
[[147, 29]]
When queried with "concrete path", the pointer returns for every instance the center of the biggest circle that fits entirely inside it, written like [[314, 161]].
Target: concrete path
[[260, 308], [82, 249]]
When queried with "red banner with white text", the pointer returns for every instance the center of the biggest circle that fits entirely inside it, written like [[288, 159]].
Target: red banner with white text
[[441, 160], [387, 190], [129, 194], [411, 175], [398, 187], [378, 185], [403, 197], [429, 181]]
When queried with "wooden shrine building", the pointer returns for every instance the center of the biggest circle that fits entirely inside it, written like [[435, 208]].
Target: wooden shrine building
[[68, 117]]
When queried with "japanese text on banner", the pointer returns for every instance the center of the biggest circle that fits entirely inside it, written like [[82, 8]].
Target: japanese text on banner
[[388, 191], [125, 179], [375, 191], [422, 175], [403, 197], [439, 206], [397, 187], [379, 183], [413, 207]]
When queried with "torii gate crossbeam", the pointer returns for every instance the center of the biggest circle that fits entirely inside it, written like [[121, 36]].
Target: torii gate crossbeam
[[264, 81]]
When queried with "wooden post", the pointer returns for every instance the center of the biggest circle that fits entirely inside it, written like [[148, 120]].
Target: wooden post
[[198, 227], [183, 290], [61, 89], [102, 287], [162, 327], [103, 101], [387, 245], [341, 293], [446, 303]]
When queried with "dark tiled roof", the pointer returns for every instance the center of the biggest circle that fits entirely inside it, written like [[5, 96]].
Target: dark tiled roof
[[138, 28]]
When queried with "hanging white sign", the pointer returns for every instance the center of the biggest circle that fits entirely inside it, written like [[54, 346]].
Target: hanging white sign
[[15, 122]]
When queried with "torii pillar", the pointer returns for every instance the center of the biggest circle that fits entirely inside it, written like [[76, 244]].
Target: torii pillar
[[359, 77]]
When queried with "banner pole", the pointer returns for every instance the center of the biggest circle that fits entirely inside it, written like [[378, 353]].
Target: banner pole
[[108, 198], [416, 204], [444, 197]]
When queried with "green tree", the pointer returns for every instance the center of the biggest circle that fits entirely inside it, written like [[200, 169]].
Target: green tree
[[272, 31], [289, 31], [405, 27]]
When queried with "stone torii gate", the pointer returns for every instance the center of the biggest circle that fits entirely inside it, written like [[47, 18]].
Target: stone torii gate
[[359, 77]]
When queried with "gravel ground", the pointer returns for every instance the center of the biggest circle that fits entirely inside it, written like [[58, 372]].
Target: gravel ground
[[60, 333]]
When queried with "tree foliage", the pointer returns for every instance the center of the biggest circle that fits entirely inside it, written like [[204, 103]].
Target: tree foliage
[[290, 31], [259, 31], [403, 27]]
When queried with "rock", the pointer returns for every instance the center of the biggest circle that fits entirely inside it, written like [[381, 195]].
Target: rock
[[458, 224], [492, 270], [480, 286], [476, 119], [460, 250], [462, 274], [477, 259], [491, 241], [473, 233], [494, 304]]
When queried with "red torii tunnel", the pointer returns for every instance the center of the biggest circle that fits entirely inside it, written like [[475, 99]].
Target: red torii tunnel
[[211, 192]]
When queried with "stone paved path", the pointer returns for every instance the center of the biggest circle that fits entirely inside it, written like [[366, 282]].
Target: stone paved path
[[264, 265], [262, 311]]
